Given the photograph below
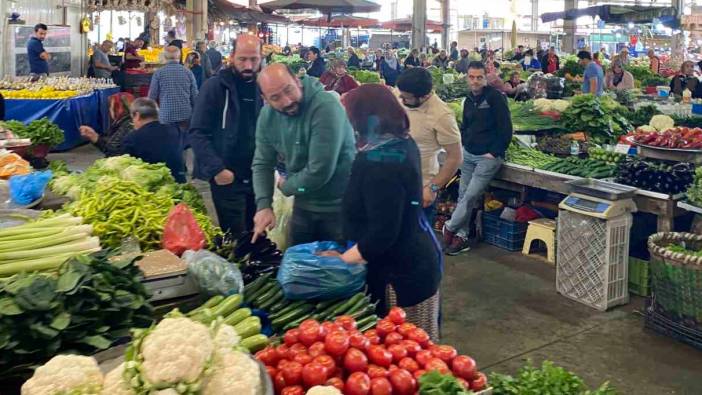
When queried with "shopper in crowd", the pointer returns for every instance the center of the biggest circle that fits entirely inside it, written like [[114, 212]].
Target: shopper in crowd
[[309, 129], [453, 55], [433, 127], [378, 60], [287, 51], [390, 68], [337, 78], [624, 56], [618, 78], [603, 53], [201, 49], [172, 40], [518, 53], [462, 64], [529, 62], [593, 77], [111, 141], [442, 60], [654, 62], [514, 83], [192, 63], [486, 131], [686, 79], [381, 214], [491, 65], [215, 57], [597, 60], [354, 60], [132, 59], [494, 79], [550, 63], [152, 141], [222, 134], [412, 59], [317, 65], [424, 60], [101, 61], [174, 87], [36, 54]]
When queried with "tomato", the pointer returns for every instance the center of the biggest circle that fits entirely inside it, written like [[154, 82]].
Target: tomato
[[423, 357], [279, 382], [292, 373], [336, 383], [346, 321], [314, 374], [398, 352], [384, 327], [282, 351], [397, 316], [408, 364], [355, 360], [303, 358], [282, 363], [291, 337], [403, 383], [308, 324], [295, 349], [272, 371], [465, 384], [405, 328], [444, 353], [412, 347], [419, 335], [418, 373], [380, 386], [377, 371], [379, 355], [392, 367], [479, 383], [316, 349], [268, 356], [329, 327], [309, 335], [372, 335], [437, 364], [327, 362], [359, 341], [336, 343], [294, 390], [393, 338], [358, 383], [464, 366]]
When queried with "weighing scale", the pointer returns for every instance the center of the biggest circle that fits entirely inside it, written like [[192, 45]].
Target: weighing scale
[[166, 276], [597, 207]]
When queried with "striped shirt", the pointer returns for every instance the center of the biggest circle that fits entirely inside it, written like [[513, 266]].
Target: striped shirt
[[173, 86]]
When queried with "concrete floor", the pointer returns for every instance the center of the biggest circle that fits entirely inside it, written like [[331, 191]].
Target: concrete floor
[[502, 309]]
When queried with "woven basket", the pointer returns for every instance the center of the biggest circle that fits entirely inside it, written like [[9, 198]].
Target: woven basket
[[676, 278]]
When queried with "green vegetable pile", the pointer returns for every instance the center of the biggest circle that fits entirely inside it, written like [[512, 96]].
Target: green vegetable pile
[[58, 168], [641, 72], [602, 155], [91, 303], [588, 168], [457, 107], [525, 118], [694, 192], [435, 383], [570, 65], [365, 76], [41, 131], [547, 380], [683, 250], [526, 156], [295, 62], [643, 115], [601, 117]]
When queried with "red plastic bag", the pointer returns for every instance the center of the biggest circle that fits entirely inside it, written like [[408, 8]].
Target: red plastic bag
[[182, 232]]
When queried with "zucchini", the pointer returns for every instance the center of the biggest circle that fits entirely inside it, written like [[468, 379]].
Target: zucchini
[[279, 305], [287, 309], [237, 316], [364, 312], [227, 306], [269, 292], [321, 306], [248, 327], [278, 296], [255, 285], [327, 312], [293, 315], [211, 302], [346, 306], [297, 322], [265, 288], [367, 323], [359, 305], [254, 343]]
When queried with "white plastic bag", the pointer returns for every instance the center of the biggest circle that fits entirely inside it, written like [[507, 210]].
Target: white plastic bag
[[282, 208]]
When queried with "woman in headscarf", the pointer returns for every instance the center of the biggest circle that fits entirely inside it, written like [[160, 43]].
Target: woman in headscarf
[[390, 68], [337, 78], [618, 78], [111, 141], [382, 210]]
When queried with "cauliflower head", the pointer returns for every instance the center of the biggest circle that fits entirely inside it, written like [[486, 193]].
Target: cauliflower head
[[662, 122], [646, 128], [174, 353], [234, 373], [225, 339], [73, 374], [323, 390], [115, 384]]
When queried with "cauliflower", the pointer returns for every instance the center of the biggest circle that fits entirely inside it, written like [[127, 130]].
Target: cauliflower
[[114, 383], [560, 105], [646, 128], [549, 105], [225, 339], [174, 353], [235, 373], [323, 390], [74, 374], [662, 122]]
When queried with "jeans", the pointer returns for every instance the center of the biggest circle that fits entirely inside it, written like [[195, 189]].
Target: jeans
[[476, 173], [309, 226], [235, 207]]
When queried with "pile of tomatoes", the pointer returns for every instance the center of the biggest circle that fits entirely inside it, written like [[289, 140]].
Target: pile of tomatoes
[[382, 361]]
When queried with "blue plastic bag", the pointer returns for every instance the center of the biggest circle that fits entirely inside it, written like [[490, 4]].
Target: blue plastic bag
[[305, 275], [27, 188]]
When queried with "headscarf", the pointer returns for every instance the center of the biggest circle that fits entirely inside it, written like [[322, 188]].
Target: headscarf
[[120, 103], [391, 59]]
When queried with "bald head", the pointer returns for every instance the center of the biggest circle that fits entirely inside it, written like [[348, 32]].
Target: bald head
[[172, 53], [281, 89], [246, 56]]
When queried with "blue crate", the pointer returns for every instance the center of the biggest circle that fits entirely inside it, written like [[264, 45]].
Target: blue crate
[[502, 233]]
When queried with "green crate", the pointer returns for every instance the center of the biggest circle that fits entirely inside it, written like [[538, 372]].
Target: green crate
[[639, 278]]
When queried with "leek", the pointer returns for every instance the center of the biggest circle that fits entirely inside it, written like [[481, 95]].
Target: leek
[[87, 244], [34, 241], [41, 264], [31, 233], [62, 238]]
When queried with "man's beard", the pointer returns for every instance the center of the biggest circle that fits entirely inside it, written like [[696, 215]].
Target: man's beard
[[246, 75], [291, 110]]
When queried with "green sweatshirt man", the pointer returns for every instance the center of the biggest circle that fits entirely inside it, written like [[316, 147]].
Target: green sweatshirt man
[[317, 146]]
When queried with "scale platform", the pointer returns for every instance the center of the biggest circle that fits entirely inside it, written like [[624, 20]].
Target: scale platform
[[597, 207], [166, 276]]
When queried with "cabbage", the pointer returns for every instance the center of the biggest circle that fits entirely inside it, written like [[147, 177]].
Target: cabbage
[[149, 176], [662, 122]]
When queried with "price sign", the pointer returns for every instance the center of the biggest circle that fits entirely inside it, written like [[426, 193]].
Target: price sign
[[622, 149]]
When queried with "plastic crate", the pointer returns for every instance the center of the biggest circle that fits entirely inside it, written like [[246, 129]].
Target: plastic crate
[[592, 259], [639, 279], [502, 233], [666, 326]]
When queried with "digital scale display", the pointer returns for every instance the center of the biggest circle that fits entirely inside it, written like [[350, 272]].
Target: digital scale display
[[586, 205]]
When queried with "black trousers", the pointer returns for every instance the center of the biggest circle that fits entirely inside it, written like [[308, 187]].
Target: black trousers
[[310, 226], [235, 205]]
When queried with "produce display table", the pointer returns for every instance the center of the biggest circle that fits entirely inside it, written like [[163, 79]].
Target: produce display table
[[518, 178], [68, 114]]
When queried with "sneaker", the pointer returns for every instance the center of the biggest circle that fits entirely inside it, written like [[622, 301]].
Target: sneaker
[[458, 246], [448, 236]]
